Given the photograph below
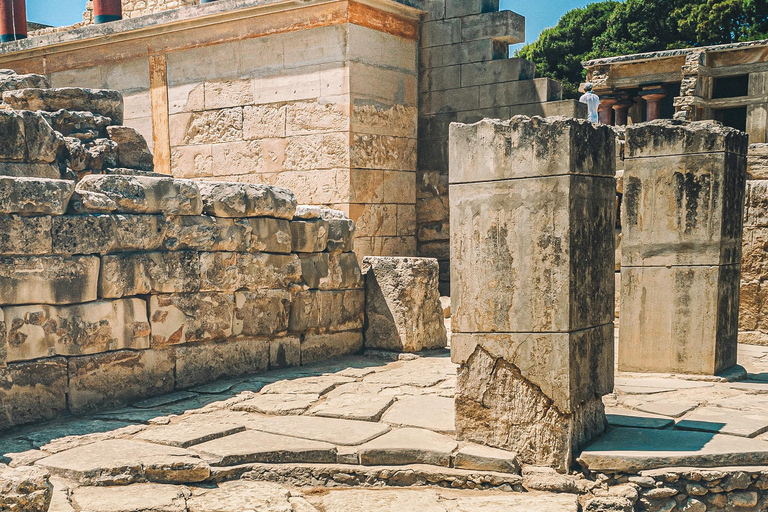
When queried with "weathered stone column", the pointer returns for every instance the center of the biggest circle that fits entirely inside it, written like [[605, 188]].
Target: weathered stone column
[[622, 111], [684, 186], [653, 97], [105, 11], [13, 20], [532, 252], [606, 110]]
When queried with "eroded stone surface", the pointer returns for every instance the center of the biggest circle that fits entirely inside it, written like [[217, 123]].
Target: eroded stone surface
[[334, 431], [139, 497], [403, 310], [24, 489], [255, 446], [408, 446], [99, 101], [35, 195], [144, 194]]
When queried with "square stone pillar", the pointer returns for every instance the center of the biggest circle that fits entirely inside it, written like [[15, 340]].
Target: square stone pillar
[[684, 186], [532, 257]]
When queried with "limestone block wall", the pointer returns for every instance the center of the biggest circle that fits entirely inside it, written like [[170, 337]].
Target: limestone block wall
[[133, 8], [465, 75], [121, 287]]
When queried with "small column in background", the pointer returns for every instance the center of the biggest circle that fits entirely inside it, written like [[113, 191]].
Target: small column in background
[[621, 108], [606, 109], [653, 96], [533, 209], [13, 20], [682, 210], [105, 11]]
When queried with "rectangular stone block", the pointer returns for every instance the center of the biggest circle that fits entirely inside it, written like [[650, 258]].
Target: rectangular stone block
[[204, 233], [19, 170], [123, 275], [504, 26], [39, 331], [462, 53], [103, 102], [224, 271], [331, 271], [263, 121], [35, 195], [262, 312], [495, 226], [213, 126], [679, 319], [402, 304], [138, 232], [536, 147], [666, 137], [309, 235], [457, 8], [22, 236], [12, 127], [33, 391], [201, 363], [141, 194], [185, 318], [270, 235], [319, 347], [544, 359], [341, 231], [48, 279], [284, 352], [683, 210], [522, 92], [113, 379], [226, 199], [327, 311], [756, 207], [84, 234], [496, 71]]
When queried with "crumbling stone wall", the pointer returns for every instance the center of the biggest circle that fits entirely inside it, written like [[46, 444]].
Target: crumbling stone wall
[[128, 283]]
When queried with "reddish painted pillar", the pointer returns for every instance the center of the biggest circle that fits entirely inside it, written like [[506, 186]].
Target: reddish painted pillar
[[105, 11], [13, 20], [653, 97], [622, 112], [606, 111]]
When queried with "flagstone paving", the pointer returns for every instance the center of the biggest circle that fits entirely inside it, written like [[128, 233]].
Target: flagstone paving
[[374, 420]]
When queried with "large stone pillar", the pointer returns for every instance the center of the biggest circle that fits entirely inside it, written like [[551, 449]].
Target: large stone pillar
[[606, 110], [684, 186], [105, 11], [13, 20], [532, 256], [621, 108]]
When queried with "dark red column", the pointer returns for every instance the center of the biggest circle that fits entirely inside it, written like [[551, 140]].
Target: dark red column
[[13, 20], [105, 11], [606, 110], [653, 96], [622, 112]]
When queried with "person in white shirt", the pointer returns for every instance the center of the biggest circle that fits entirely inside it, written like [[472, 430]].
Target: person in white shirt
[[593, 102]]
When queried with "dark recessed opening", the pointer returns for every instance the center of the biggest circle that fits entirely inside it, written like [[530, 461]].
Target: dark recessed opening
[[733, 117], [731, 87]]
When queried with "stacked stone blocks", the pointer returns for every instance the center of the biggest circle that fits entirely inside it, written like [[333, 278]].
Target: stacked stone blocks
[[465, 75], [684, 186], [532, 220]]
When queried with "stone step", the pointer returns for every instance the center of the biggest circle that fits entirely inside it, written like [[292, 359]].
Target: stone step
[[98, 101], [630, 450]]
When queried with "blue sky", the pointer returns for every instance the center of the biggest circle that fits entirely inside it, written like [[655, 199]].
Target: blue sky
[[538, 14]]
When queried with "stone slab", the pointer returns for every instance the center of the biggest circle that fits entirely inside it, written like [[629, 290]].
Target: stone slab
[[661, 382], [335, 431], [408, 446], [143, 194], [255, 446], [43, 331], [33, 391], [353, 407], [673, 408], [619, 417], [48, 280], [758, 387], [281, 404], [183, 318], [632, 450], [725, 421], [485, 458], [196, 429], [320, 347], [22, 236], [225, 199], [426, 411], [431, 500], [307, 385], [134, 498], [243, 495], [35, 195], [104, 102], [205, 233], [126, 461]]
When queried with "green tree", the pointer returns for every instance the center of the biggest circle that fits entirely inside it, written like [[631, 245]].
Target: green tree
[[610, 28], [559, 51]]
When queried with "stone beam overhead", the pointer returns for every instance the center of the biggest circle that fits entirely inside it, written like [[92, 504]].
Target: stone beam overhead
[[532, 244]]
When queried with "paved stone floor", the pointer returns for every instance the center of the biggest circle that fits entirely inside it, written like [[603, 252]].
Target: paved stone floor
[[348, 434]]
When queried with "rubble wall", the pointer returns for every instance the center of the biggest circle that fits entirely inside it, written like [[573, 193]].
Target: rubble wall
[[176, 286]]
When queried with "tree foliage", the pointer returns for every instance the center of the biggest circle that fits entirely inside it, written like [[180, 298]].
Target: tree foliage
[[610, 28]]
